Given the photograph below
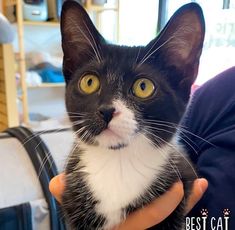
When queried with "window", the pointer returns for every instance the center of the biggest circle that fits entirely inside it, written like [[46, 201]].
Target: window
[[219, 46], [138, 21]]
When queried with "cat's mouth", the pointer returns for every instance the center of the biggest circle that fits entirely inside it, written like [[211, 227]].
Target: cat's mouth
[[118, 146], [112, 139]]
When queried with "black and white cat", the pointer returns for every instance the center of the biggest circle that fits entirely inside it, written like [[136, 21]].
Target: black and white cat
[[125, 104]]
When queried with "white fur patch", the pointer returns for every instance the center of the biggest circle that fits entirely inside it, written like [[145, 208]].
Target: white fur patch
[[118, 177], [121, 128]]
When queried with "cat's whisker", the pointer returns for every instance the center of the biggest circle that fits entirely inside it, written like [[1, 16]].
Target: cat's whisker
[[97, 49], [172, 146], [27, 139], [159, 148], [133, 166], [193, 134], [188, 142], [86, 37], [74, 123], [78, 113], [87, 135], [180, 128], [71, 156], [81, 121], [80, 130], [47, 156], [149, 50], [138, 171], [171, 163], [38, 133], [138, 54], [146, 57], [46, 159], [171, 124], [76, 116], [164, 130], [147, 166], [82, 137], [174, 167]]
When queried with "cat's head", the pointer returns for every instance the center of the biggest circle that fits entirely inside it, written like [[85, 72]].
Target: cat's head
[[114, 93]]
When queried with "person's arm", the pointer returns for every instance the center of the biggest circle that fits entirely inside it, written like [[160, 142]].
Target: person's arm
[[211, 120], [152, 214]]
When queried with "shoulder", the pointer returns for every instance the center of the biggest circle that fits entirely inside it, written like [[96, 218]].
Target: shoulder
[[210, 115]]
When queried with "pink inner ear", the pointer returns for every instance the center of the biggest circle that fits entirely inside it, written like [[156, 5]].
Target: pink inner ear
[[184, 44], [181, 40]]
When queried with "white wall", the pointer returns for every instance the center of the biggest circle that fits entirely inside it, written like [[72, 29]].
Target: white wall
[[42, 39], [138, 21], [47, 101]]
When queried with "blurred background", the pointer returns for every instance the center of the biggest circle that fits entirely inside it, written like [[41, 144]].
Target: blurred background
[[38, 56]]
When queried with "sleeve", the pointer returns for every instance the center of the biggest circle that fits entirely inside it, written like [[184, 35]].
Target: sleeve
[[210, 129]]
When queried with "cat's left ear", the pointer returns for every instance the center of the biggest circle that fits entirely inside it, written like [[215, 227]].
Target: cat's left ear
[[81, 42], [178, 47]]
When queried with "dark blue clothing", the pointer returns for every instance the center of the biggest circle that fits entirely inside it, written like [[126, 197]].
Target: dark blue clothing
[[211, 115]]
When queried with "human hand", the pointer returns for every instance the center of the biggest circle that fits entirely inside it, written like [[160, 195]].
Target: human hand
[[155, 212]]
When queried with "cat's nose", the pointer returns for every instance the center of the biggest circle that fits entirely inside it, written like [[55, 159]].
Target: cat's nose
[[106, 113]]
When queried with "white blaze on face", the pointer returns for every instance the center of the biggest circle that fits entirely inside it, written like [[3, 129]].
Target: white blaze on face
[[118, 177], [120, 129]]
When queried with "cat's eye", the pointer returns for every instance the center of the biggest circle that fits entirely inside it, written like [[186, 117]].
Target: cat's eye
[[143, 88], [89, 84]]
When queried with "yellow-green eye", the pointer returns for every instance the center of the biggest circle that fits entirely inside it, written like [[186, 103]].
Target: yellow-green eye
[[89, 84], [143, 88]]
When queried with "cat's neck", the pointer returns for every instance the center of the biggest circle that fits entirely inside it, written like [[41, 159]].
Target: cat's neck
[[117, 177], [139, 149]]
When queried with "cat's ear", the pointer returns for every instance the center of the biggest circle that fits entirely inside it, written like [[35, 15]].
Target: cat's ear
[[178, 47], [81, 42]]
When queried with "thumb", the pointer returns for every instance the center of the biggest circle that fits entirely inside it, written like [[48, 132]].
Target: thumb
[[57, 185]]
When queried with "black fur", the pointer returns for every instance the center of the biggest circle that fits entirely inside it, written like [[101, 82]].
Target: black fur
[[78, 201], [172, 66]]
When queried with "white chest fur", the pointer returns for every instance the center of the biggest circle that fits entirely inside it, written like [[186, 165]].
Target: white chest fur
[[118, 177]]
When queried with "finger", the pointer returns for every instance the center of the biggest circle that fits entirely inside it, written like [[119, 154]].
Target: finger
[[199, 187], [156, 212], [56, 186]]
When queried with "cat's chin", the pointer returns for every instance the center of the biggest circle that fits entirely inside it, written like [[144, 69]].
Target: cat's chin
[[112, 140]]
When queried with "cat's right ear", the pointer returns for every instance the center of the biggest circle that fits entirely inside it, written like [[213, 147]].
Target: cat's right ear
[[81, 42]]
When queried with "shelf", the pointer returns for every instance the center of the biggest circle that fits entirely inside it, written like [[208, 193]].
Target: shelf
[[89, 6], [10, 2], [101, 8], [44, 23], [47, 85], [53, 24]]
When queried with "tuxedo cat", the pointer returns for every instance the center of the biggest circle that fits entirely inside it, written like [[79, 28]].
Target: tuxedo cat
[[125, 104]]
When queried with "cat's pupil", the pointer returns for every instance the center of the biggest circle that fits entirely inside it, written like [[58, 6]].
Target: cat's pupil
[[142, 86], [89, 82]]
